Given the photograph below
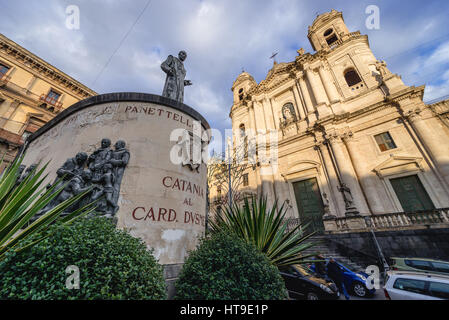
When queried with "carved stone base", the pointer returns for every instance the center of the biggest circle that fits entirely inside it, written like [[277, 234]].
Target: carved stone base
[[356, 223], [330, 225], [352, 212], [323, 110]]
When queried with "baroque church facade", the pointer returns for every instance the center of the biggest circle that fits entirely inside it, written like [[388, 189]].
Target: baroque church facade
[[353, 139]]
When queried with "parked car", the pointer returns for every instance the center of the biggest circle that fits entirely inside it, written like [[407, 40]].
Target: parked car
[[420, 265], [355, 283], [301, 283], [406, 285]]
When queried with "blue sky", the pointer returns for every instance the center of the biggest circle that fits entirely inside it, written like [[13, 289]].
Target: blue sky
[[221, 38]]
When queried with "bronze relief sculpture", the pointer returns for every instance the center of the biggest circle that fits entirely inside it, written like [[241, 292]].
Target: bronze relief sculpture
[[101, 172]]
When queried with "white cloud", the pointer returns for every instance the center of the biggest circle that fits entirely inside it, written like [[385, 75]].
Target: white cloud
[[220, 37], [438, 90]]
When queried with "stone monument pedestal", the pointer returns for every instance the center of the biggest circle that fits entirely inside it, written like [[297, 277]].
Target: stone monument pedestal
[[161, 201]]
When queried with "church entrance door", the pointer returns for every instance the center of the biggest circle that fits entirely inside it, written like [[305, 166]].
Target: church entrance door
[[411, 194], [310, 204]]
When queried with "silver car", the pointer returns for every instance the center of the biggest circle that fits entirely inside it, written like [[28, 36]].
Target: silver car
[[405, 285]]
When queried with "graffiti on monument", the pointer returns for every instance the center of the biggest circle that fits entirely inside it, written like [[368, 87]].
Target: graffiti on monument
[[101, 172]]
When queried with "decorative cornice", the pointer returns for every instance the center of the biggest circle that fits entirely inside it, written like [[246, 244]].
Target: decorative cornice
[[37, 65]]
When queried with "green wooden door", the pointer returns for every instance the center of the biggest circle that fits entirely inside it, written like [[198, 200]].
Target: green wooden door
[[310, 204], [411, 194]]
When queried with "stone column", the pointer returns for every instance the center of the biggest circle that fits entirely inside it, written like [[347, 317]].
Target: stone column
[[336, 204], [319, 93], [307, 100], [350, 187], [259, 110], [273, 118], [429, 135], [267, 113], [375, 202], [317, 88], [299, 104], [252, 117], [329, 85]]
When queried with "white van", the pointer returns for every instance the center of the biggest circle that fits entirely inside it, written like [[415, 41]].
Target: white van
[[405, 285]]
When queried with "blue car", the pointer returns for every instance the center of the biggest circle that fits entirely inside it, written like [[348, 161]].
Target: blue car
[[354, 282]]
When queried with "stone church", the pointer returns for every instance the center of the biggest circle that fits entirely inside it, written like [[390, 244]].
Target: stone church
[[353, 140]]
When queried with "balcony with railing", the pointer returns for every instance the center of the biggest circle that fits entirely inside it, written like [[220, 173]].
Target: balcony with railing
[[345, 38], [437, 218], [51, 102]]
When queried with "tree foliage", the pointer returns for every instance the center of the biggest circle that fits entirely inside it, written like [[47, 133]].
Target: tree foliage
[[226, 172], [226, 268], [20, 202], [112, 265]]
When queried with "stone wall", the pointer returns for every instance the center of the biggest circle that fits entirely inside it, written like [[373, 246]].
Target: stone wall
[[423, 243]]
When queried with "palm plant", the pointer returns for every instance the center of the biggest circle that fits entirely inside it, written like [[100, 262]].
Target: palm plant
[[20, 203], [266, 229]]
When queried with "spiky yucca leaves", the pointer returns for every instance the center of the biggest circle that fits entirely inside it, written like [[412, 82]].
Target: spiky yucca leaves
[[18, 204], [266, 229]]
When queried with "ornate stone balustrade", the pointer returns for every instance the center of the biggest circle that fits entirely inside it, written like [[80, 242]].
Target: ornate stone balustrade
[[351, 35], [391, 221]]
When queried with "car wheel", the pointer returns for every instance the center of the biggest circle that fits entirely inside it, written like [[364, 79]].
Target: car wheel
[[312, 296], [359, 289]]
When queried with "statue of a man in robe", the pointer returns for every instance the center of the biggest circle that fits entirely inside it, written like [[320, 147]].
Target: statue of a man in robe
[[176, 74]]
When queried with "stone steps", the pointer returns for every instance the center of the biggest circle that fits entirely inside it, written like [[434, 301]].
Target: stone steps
[[328, 253]]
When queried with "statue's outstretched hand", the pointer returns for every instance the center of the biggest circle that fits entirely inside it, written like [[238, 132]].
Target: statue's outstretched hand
[[188, 83]]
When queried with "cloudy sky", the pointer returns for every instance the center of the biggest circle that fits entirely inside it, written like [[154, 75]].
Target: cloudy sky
[[221, 38]]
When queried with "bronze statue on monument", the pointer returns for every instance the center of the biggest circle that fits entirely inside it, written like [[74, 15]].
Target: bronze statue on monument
[[176, 74]]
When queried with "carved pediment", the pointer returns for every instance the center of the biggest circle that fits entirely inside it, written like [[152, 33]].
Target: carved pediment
[[301, 166], [397, 165]]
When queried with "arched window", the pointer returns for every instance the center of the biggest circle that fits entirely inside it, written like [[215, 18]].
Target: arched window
[[352, 77], [330, 36], [241, 94]]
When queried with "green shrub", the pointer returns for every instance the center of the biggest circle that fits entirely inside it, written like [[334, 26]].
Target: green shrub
[[226, 268], [112, 264], [266, 228]]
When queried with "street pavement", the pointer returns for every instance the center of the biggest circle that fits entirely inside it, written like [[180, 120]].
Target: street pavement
[[379, 295]]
